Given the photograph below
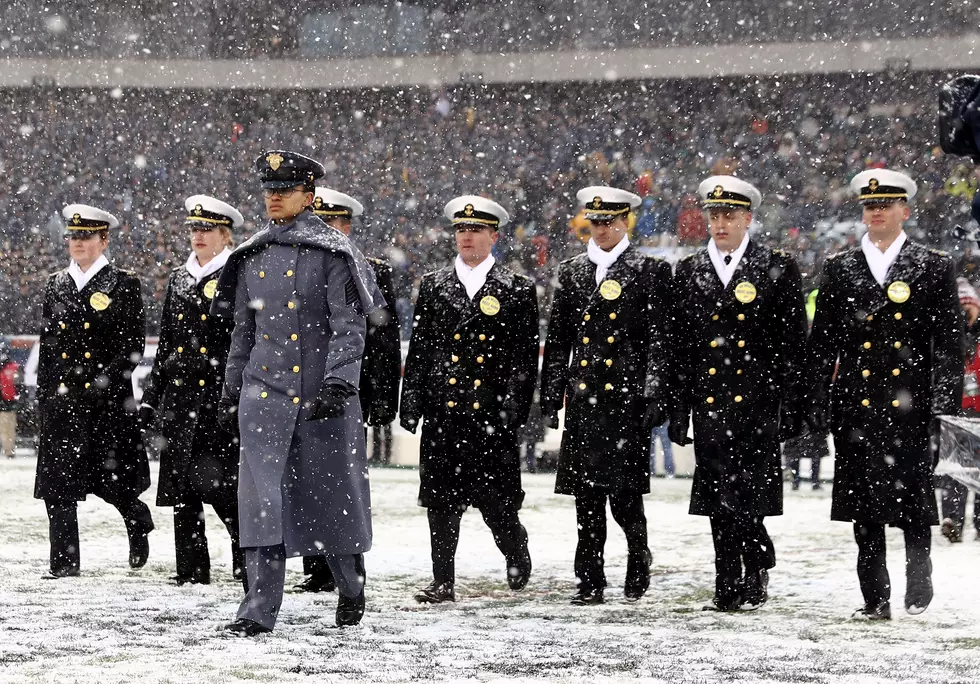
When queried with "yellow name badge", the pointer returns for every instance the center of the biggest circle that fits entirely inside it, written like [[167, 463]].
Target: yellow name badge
[[210, 288], [899, 292], [100, 301], [490, 305], [610, 289], [745, 292]]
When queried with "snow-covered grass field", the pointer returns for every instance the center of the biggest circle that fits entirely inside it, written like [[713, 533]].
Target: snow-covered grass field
[[118, 625]]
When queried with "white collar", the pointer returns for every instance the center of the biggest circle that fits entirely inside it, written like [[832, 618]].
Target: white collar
[[82, 278], [879, 262], [201, 272], [604, 260], [726, 271], [473, 278]]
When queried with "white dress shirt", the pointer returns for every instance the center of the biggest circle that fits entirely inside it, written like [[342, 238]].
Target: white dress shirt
[[81, 277], [201, 272], [473, 278], [879, 262], [604, 260], [726, 271]]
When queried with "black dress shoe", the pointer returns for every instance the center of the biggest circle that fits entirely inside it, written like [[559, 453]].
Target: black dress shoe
[[755, 590], [726, 603], [243, 627], [61, 573], [139, 550], [588, 597], [918, 597], [316, 583], [181, 580], [638, 575], [350, 610], [436, 592], [519, 572], [882, 611]]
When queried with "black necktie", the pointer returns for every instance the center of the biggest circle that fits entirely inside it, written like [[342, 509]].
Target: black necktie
[[728, 259]]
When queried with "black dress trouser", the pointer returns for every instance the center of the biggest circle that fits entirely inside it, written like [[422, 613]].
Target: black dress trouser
[[741, 540], [500, 516], [191, 542], [590, 514], [872, 570]]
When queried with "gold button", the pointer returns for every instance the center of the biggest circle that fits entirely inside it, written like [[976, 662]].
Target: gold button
[[291, 305], [867, 345], [714, 343], [63, 326], [583, 363], [295, 400], [715, 317], [264, 395], [452, 381], [180, 350], [610, 339], [869, 318], [585, 340], [289, 273], [64, 355], [476, 405], [710, 400], [180, 317], [456, 336], [201, 383], [898, 316], [738, 398], [87, 385], [612, 316], [265, 336], [712, 371], [296, 369], [479, 359], [477, 383], [895, 403], [204, 317], [896, 372], [455, 358], [294, 337], [265, 368], [588, 317], [738, 372], [482, 338], [741, 317], [865, 373], [86, 325], [261, 274], [608, 362], [88, 355], [865, 402], [741, 343], [581, 385], [204, 350], [898, 345], [450, 404], [608, 387]]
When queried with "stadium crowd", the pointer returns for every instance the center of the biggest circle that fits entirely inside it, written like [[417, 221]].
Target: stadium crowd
[[404, 152]]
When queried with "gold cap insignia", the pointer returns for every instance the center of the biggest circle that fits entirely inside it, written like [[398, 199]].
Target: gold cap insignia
[[274, 160], [596, 202], [317, 202], [468, 210], [873, 184], [76, 219], [719, 191], [198, 209]]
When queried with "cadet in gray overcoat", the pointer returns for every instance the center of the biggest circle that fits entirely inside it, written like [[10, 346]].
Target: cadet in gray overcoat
[[300, 294]]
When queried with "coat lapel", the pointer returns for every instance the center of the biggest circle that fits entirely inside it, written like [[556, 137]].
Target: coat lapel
[[869, 296], [705, 276], [910, 264], [752, 268], [454, 292]]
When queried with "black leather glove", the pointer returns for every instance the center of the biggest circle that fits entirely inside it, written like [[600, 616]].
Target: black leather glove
[[550, 417], [677, 430], [380, 415], [228, 416], [653, 415], [147, 418], [409, 422], [789, 426], [331, 401]]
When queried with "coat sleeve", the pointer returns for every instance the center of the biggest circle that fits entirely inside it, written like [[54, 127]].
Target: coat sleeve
[[47, 342], [130, 331], [792, 346], [681, 340], [826, 335], [524, 374], [155, 381], [557, 348], [383, 349], [947, 344], [419, 354], [348, 325], [242, 341], [659, 315]]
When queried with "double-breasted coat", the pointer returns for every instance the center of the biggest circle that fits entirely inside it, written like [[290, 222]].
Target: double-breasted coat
[[300, 293], [898, 347], [382, 363], [606, 359], [91, 342], [200, 460], [738, 363], [470, 372]]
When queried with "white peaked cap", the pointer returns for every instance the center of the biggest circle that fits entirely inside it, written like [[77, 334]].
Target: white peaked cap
[[338, 199], [472, 209], [608, 195], [212, 205], [729, 191], [83, 216], [883, 185]]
